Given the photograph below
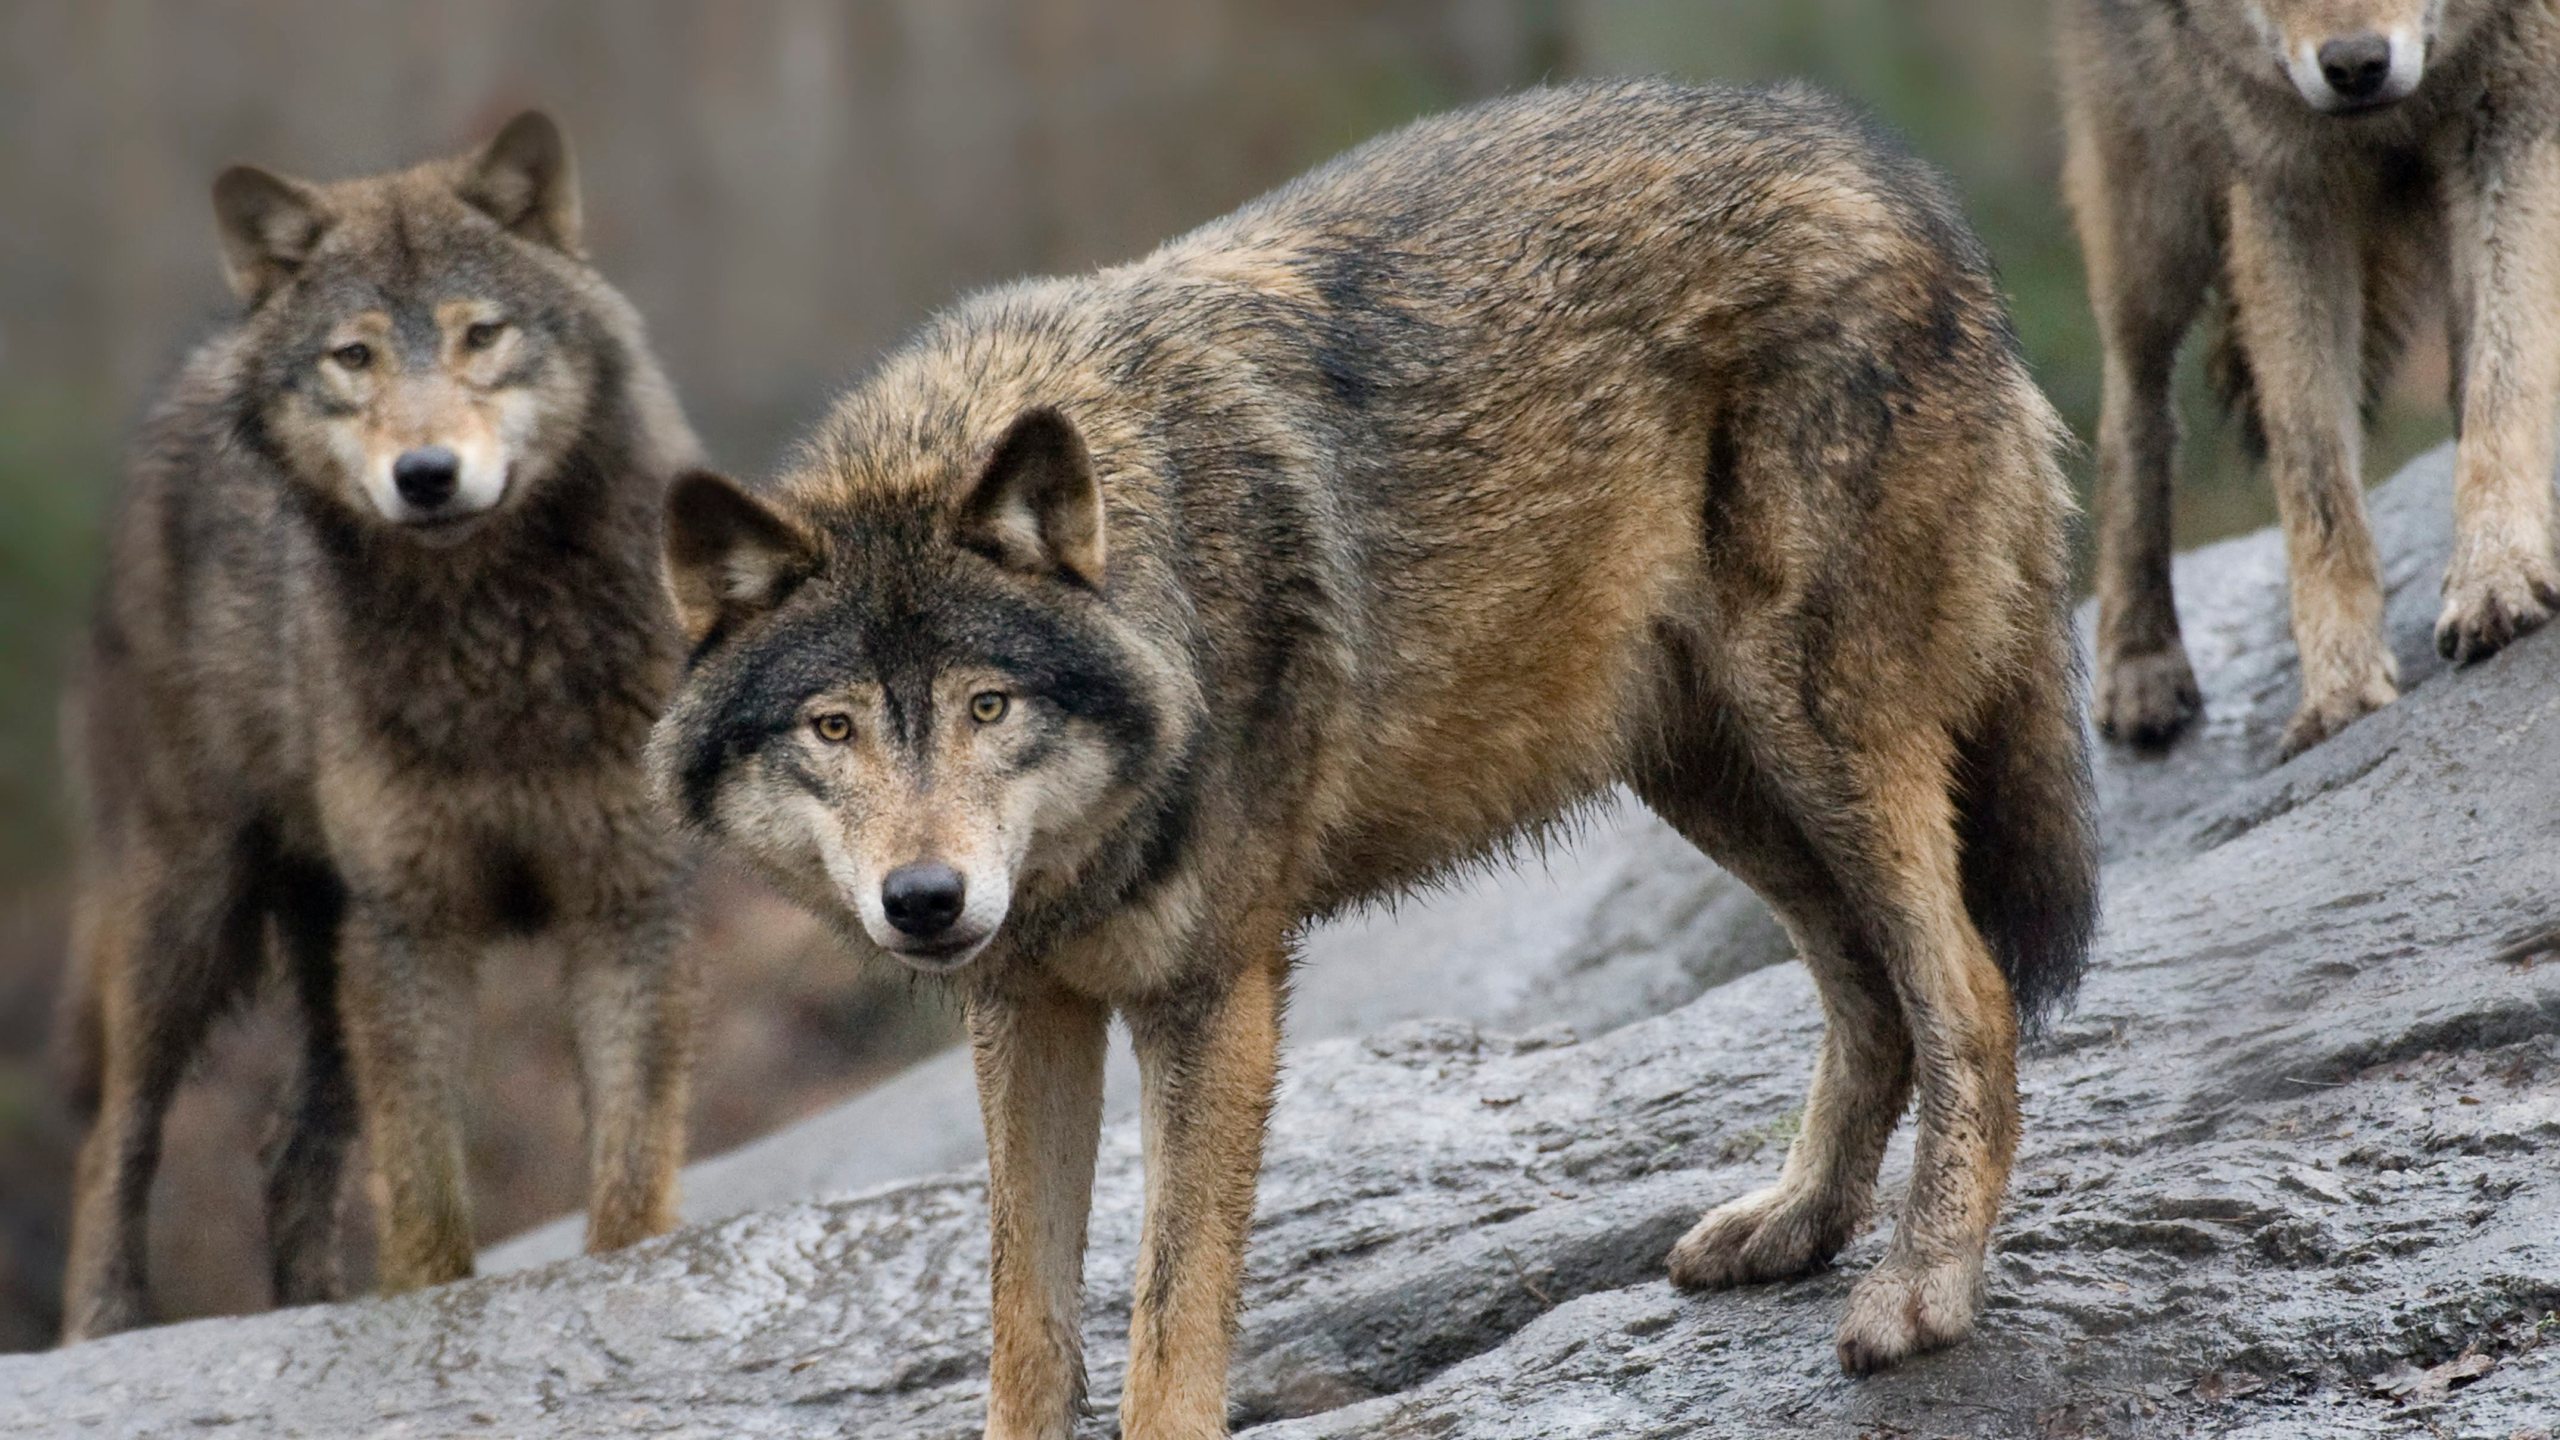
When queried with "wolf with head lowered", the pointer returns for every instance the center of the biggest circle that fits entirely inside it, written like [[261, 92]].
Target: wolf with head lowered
[[1120, 626], [2333, 171], [368, 692]]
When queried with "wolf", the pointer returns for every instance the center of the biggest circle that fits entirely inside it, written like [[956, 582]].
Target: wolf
[[369, 688], [2333, 169], [1119, 626]]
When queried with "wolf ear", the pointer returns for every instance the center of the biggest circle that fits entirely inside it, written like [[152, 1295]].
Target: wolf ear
[[730, 556], [526, 182], [1037, 506], [269, 225]]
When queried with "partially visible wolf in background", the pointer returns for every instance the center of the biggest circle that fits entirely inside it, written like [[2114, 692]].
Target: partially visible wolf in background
[[383, 633], [2332, 167], [1120, 625]]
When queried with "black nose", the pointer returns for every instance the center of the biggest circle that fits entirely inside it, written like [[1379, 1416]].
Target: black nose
[[2357, 66], [924, 898], [427, 476]]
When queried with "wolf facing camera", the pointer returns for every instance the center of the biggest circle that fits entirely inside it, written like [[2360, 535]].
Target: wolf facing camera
[[2334, 170], [1120, 626], [383, 634]]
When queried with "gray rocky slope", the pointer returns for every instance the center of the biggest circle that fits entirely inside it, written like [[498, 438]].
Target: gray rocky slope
[[2292, 1167]]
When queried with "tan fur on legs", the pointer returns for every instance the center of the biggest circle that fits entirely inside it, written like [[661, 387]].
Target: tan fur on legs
[[1207, 1063], [1039, 1065], [2504, 579], [631, 991], [408, 1004], [189, 915], [2300, 318], [2149, 251], [1964, 1032]]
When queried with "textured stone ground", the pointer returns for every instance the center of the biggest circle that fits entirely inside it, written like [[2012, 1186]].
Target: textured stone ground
[[2292, 1167]]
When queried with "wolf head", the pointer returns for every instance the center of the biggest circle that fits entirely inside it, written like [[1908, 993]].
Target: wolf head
[[915, 710], [2342, 56], [414, 343]]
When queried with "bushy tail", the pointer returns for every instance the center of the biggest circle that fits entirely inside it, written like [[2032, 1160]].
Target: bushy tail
[[2027, 816]]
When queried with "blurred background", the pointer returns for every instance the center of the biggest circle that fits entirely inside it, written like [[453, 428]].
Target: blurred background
[[783, 186]]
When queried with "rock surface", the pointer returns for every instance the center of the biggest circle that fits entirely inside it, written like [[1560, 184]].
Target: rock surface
[[2292, 1168]]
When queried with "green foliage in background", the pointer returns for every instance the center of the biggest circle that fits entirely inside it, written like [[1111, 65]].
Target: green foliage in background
[[53, 489]]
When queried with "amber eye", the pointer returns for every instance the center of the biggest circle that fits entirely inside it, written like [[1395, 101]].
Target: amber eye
[[835, 727], [989, 706], [355, 355], [482, 335]]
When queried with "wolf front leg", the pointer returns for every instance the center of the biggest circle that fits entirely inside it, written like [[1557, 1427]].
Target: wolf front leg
[[2146, 233], [2504, 579], [632, 1000], [405, 999], [1207, 1058], [1039, 1062], [2297, 295]]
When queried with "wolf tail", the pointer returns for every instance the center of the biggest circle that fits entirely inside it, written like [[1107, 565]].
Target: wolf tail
[[2027, 817]]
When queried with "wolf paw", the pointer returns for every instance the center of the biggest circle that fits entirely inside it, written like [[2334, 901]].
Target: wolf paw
[[2333, 710], [2145, 699], [2488, 603], [1904, 1308], [1770, 1234]]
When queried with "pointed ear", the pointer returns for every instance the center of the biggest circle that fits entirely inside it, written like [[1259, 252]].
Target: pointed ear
[[526, 182], [730, 556], [1037, 506], [269, 226]]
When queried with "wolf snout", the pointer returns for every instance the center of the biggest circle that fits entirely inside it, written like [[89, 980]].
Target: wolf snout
[[427, 477], [2358, 66], [923, 900]]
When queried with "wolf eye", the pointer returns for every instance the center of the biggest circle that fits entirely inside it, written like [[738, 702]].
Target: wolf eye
[[989, 706], [481, 334], [354, 355], [835, 727]]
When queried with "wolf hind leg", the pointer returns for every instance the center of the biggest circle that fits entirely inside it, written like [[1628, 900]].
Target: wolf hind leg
[[307, 1156], [1905, 878], [1713, 794], [171, 948]]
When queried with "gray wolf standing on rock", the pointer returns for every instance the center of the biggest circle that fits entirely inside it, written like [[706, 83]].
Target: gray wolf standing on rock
[[1121, 625], [2332, 167], [372, 676]]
